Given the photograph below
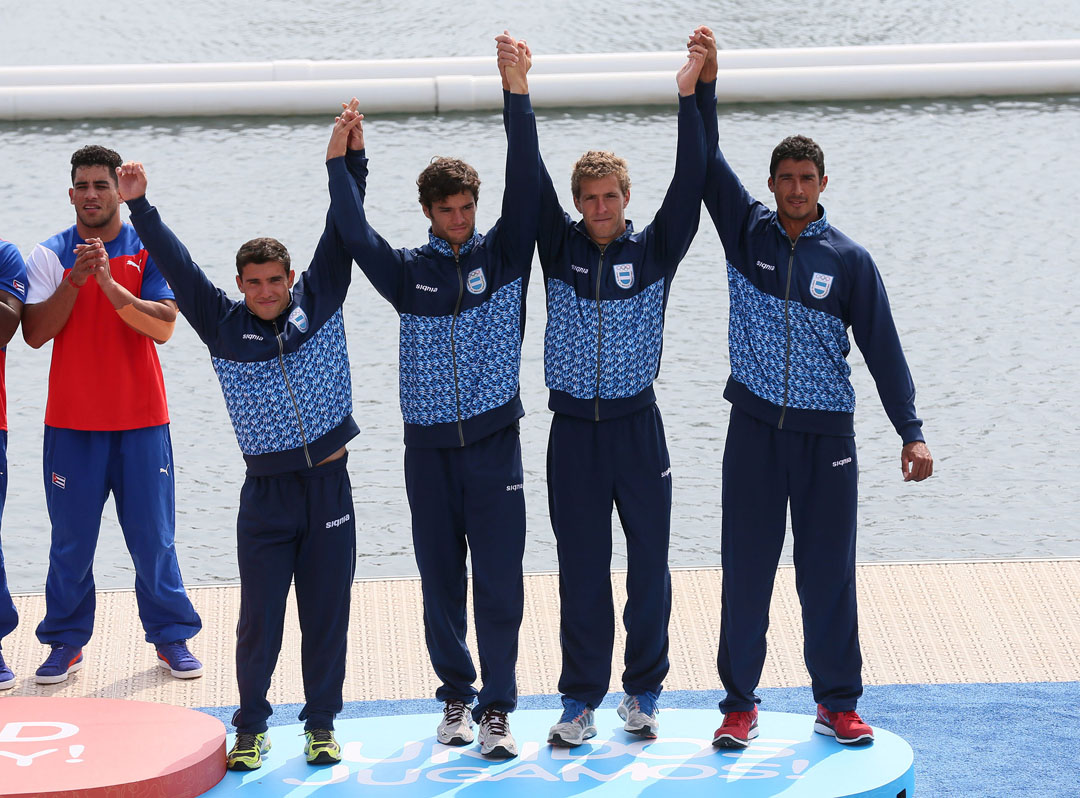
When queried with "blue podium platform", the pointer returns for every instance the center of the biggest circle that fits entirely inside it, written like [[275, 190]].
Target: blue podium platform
[[397, 756]]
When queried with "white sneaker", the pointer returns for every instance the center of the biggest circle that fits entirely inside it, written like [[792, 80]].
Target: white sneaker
[[639, 712], [575, 726], [456, 725], [495, 737]]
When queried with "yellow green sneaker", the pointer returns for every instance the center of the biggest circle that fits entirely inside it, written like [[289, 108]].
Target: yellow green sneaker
[[247, 751], [321, 747]]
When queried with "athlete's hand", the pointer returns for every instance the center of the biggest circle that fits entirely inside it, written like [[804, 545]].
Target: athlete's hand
[[687, 76], [341, 137], [131, 180], [704, 36], [89, 258], [348, 113], [512, 53], [916, 462]]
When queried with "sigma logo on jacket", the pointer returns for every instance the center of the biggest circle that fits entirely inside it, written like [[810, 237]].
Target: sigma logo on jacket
[[624, 274], [766, 266], [579, 269], [838, 463], [299, 319], [820, 285], [429, 288], [339, 521], [476, 281], [252, 337]]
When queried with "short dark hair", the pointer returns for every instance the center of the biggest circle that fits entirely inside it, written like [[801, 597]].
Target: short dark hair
[[445, 177], [95, 155], [798, 148], [262, 250]]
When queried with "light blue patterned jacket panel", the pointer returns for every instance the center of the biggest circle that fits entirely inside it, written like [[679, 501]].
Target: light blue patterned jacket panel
[[630, 343], [259, 400], [757, 339], [487, 341]]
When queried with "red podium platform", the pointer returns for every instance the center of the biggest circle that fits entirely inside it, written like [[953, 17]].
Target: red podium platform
[[94, 747]]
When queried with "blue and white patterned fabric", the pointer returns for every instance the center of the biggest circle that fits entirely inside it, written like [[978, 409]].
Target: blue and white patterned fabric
[[443, 247], [757, 342], [259, 401], [630, 337], [487, 340]]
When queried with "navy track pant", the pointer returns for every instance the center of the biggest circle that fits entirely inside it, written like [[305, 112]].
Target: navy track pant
[[9, 618], [81, 468], [470, 500], [592, 464], [300, 525], [764, 469]]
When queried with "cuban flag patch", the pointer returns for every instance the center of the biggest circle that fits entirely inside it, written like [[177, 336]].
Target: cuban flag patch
[[820, 284], [624, 274], [59, 481], [476, 281], [299, 319], [18, 286]]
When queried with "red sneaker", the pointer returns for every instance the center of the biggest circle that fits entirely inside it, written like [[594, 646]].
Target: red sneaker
[[738, 729], [847, 727]]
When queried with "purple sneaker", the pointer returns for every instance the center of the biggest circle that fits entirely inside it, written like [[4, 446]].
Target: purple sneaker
[[180, 662]]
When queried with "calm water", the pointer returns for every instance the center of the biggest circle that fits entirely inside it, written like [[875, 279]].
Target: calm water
[[964, 205]]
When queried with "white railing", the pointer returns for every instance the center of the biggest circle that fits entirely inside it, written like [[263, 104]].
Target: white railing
[[582, 80]]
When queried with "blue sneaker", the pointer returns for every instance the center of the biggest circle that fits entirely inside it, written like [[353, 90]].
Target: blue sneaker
[[64, 659], [575, 726], [7, 678], [180, 662], [639, 712]]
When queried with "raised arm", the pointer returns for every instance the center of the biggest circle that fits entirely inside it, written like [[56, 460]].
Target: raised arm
[[380, 263], [726, 200], [521, 192], [677, 220], [552, 220], [201, 302]]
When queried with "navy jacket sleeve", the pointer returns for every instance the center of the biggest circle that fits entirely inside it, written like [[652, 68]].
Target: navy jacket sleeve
[[676, 222], [726, 200], [552, 220], [875, 334], [383, 265], [326, 280], [515, 232], [203, 304]]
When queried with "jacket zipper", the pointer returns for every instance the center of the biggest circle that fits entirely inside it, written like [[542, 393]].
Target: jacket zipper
[[599, 334], [787, 333], [292, 396], [453, 347]]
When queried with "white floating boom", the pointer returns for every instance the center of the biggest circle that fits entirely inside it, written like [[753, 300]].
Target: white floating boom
[[435, 85]]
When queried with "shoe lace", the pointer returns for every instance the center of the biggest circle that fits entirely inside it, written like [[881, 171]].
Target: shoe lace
[[246, 741], [454, 712], [496, 722], [644, 703], [573, 711], [57, 655], [851, 716], [321, 736], [737, 719]]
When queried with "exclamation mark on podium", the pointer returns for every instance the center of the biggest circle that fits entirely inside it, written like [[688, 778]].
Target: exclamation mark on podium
[[797, 767], [76, 752]]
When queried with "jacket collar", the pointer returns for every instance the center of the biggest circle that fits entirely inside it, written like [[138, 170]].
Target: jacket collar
[[815, 229], [580, 227], [443, 247]]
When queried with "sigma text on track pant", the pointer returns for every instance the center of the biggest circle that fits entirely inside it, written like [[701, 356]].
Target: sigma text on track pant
[[300, 525], [592, 464], [9, 618], [764, 469], [469, 500], [81, 468]]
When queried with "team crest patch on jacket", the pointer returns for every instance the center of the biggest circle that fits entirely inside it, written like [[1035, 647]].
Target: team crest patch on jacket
[[820, 284], [476, 281], [624, 274], [299, 319]]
